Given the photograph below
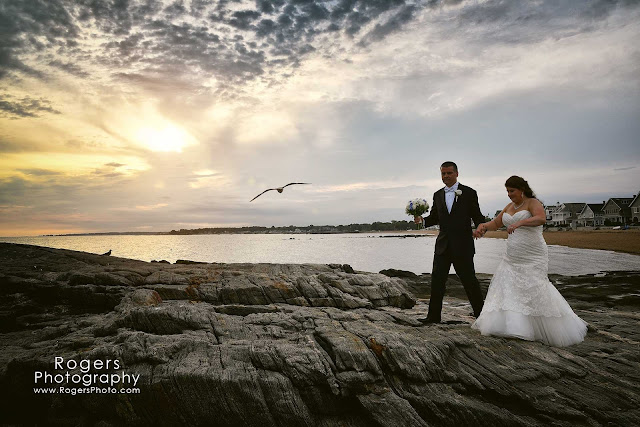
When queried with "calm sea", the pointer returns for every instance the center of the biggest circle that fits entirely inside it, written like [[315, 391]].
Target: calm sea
[[365, 252]]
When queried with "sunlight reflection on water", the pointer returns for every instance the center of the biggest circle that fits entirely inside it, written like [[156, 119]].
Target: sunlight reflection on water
[[365, 252]]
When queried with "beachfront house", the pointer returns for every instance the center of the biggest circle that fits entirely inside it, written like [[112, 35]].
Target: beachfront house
[[617, 211], [591, 215], [549, 209], [635, 209], [566, 213]]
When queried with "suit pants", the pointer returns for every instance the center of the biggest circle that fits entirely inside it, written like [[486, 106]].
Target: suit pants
[[463, 265]]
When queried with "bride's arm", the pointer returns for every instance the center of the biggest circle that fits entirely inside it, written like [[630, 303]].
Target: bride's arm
[[492, 225], [538, 217]]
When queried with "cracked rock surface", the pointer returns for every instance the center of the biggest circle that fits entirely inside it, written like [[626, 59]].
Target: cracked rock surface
[[299, 345]]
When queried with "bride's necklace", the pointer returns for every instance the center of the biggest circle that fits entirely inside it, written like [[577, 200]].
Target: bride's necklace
[[515, 208]]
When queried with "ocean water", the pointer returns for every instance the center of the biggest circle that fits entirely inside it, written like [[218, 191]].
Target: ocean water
[[366, 252]]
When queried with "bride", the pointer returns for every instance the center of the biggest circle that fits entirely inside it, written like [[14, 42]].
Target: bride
[[521, 301]]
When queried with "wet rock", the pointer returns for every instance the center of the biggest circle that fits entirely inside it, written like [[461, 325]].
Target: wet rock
[[299, 345], [165, 277], [145, 297], [392, 272]]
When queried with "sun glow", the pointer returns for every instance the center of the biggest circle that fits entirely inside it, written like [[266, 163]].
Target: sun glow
[[169, 138]]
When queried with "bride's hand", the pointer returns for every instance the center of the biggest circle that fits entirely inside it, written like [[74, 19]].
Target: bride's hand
[[513, 227], [417, 219]]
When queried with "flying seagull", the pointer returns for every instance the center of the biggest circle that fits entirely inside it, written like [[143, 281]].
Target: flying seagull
[[279, 189]]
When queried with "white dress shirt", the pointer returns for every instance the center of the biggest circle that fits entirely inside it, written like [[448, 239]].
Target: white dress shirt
[[450, 195]]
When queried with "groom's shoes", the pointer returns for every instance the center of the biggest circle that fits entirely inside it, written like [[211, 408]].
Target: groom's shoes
[[427, 321]]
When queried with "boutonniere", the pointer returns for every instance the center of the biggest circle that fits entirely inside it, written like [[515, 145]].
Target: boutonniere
[[458, 193]]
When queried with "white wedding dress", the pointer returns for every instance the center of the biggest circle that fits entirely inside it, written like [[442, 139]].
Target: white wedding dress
[[521, 301]]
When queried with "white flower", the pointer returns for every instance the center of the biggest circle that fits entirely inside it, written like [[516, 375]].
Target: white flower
[[417, 207], [458, 192]]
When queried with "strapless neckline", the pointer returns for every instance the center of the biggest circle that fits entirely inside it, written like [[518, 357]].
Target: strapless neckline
[[507, 213]]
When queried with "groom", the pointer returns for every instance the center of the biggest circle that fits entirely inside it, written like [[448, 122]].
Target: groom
[[453, 209]]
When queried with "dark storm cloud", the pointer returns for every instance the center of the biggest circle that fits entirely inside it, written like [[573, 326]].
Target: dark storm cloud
[[522, 21], [599, 9], [69, 68], [393, 24], [491, 11], [198, 7], [355, 21], [237, 41], [234, 41], [243, 19], [115, 17], [129, 46], [22, 21], [175, 9], [24, 107]]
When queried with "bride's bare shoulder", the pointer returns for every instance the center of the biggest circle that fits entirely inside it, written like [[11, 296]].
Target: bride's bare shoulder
[[533, 202], [536, 207]]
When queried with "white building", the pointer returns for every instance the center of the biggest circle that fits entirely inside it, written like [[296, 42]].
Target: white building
[[566, 213], [635, 209], [591, 214], [617, 210], [548, 210]]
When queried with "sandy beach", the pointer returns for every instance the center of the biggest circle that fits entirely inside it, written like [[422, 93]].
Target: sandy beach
[[627, 241]]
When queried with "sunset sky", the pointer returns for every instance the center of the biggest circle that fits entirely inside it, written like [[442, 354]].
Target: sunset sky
[[150, 115]]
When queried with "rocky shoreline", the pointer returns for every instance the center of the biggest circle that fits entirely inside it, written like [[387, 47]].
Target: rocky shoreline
[[299, 345]]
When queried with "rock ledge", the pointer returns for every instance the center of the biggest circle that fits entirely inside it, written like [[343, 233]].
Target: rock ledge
[[298, 345]]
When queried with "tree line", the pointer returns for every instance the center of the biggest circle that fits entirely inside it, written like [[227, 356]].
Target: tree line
[[351, 228]]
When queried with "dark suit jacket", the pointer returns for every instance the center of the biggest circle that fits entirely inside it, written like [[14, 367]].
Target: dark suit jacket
[[455, 227]]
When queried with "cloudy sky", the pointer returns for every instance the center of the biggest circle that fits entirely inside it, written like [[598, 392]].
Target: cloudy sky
[[153, 115]]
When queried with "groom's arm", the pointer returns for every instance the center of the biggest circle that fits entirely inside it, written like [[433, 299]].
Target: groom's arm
[[475, 213], [432, 219]]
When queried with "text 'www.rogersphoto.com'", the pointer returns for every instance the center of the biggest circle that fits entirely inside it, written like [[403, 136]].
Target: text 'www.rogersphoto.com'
[[85, 377]]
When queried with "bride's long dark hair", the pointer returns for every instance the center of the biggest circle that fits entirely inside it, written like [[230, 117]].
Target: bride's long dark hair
[[522, 185]]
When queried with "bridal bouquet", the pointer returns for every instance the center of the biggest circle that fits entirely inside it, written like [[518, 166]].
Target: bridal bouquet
[[417, 207]]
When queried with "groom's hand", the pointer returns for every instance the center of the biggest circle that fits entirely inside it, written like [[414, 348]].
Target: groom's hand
[[417, 219]]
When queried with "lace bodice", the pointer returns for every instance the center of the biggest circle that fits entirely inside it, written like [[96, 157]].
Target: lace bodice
[[508, 220], [521, 301], [525, 245], [522, 275]]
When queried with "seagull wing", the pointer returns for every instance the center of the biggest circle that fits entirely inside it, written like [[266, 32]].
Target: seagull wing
[[294, 183], [269, 189]]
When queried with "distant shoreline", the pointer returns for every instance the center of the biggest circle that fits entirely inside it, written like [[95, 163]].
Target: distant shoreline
[[625, 241]]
